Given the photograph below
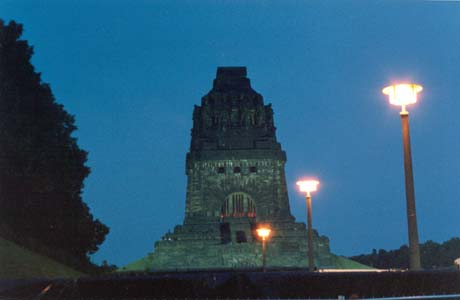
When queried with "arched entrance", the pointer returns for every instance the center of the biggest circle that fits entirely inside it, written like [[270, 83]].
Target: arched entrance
[[238, 205]]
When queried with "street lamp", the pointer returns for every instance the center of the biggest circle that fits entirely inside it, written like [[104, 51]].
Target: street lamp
[[264, 233], [402, 95], [309, 186]]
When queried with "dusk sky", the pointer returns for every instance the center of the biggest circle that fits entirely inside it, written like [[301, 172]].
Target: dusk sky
[[131, 72]]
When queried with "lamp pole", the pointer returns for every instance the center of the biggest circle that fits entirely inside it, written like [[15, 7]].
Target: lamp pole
[[414, 249], [404, 94], [311, 260], [263, 232], [263, 255], [309, 186]]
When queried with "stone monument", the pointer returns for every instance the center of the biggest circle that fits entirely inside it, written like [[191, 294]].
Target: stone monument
[[235, 182]]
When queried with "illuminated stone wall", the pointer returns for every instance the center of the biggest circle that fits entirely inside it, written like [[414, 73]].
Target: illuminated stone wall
[[208, 188]]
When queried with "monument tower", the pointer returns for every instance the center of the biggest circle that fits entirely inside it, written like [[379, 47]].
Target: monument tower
[[235, 182]]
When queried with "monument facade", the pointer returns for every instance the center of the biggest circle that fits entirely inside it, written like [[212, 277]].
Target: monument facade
[[235, 183]]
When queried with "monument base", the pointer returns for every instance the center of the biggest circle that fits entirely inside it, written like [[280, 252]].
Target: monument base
[[206, 246]]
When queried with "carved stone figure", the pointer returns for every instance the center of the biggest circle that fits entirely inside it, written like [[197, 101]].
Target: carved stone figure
[[235, 117], [269, 116], [197, 117], [245, 118], [260, 115], [206, 117], [225, 120]]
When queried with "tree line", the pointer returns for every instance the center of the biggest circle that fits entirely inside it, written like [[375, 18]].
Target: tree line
[[433, 256], [42, 168]]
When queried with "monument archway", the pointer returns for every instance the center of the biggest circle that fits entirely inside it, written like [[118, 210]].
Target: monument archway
[[238, 205]]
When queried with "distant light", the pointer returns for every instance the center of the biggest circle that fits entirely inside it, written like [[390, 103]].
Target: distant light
[[308, 186], [263, 232], [402, 94]]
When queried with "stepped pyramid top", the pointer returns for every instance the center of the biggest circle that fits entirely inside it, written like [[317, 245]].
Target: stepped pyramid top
[[233, 116]]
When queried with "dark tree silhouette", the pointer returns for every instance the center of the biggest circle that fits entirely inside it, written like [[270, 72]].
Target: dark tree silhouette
[[433, 256], [42, 168]]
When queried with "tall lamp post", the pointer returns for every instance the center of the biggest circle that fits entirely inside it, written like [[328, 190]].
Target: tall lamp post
[[402, 95], [264, 233], [309, 186]]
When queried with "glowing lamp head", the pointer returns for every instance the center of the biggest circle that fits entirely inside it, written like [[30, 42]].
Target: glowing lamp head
[[402, 94], [308, 186], [263, 232]]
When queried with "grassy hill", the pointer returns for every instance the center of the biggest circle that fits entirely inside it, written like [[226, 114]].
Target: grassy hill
[[143, 264], [17, 262], [348, 264]]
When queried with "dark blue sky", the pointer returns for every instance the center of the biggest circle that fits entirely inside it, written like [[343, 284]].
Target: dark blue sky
[[131, 73]]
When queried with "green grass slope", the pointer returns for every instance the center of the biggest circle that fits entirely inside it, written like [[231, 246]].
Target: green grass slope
[[348, 264], [143, 264], [17, 262]]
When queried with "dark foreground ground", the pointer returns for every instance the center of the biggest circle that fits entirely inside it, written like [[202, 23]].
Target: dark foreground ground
[[238, 284]]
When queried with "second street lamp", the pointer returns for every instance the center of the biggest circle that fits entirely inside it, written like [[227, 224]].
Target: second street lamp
[[308, 186], [264, 233], [405, 94]]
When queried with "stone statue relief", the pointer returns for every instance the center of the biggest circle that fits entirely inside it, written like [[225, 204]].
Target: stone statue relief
[[206, 117], [260, 116], [225, 120], [235, 118], [269, 116], [216, 119], [252, 117], [247, 118], [244, 118], [197, 117]]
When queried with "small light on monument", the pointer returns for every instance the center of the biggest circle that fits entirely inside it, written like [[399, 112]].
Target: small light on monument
[[263, 232], [402, 94], [308, 186]]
